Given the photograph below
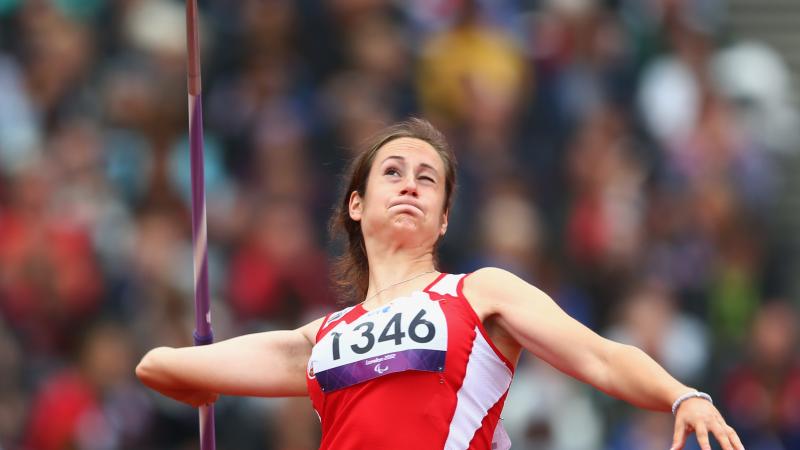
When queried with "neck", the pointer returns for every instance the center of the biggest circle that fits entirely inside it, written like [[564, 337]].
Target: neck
[[388, 267]]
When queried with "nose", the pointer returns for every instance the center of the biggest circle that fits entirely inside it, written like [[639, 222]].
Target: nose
[[409, 186]]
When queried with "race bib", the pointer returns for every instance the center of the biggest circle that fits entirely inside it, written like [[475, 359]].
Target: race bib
[[408, 334]]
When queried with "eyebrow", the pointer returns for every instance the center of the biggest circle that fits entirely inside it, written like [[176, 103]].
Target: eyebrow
[[425, 165]]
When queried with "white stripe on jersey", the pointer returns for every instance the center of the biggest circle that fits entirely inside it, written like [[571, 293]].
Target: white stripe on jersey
[[448, 285], [486, 380]]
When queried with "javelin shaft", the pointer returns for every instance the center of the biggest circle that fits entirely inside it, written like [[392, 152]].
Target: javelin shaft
[[203, 334]]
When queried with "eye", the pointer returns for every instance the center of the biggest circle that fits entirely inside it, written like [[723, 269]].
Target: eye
[[427, 178], [391, 171]]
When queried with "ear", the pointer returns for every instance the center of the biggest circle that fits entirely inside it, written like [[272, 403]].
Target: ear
[[443, 228], [355, 206]]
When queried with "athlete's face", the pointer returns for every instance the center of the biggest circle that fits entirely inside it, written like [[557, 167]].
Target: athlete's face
[[405, 194]]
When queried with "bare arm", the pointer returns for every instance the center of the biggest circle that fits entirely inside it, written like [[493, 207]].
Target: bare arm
[[271, 364], [536, 322], [540, 326]]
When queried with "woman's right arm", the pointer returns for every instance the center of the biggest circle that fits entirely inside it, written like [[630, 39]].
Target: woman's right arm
[[270, 364]]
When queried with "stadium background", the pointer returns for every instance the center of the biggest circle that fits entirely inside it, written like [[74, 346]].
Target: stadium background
[[637, 160]]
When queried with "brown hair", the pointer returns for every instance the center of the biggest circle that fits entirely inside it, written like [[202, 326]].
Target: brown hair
[[351, 269]]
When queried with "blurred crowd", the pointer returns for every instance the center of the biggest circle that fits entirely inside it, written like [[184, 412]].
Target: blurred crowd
[[631, 158]]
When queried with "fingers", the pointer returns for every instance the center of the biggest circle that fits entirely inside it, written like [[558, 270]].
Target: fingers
[[724, 434], [702, 418], [720, 430], [727, 436], [679, 437], [702, 436], [206, 398], [737, 443], [199, 399]]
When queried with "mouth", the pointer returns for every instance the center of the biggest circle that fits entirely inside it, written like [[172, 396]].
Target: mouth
[[406, 207]]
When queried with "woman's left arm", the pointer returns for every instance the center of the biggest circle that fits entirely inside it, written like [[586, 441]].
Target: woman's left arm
[[534, 320]]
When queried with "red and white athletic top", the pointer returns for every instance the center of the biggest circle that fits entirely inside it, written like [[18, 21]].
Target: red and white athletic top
[[418, 373]]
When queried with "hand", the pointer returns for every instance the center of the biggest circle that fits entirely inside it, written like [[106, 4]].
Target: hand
[[192, 398], [700, 416]]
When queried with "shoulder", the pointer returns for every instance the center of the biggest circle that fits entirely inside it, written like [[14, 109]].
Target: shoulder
[[489, 274], [313, 331], [492, 281], [494, 287], [310, 330]]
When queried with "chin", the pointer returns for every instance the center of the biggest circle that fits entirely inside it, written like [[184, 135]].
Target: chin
[[405, 224], [410, 228]]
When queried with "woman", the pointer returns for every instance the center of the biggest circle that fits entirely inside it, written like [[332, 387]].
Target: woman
[[425, 360]]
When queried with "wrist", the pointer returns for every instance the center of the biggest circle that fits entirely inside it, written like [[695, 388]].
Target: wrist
[[691, 394]]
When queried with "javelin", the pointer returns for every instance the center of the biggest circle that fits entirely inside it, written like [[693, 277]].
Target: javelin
[[202, 331]]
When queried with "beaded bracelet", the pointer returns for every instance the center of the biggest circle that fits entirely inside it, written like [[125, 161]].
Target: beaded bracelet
[[687, 396]]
